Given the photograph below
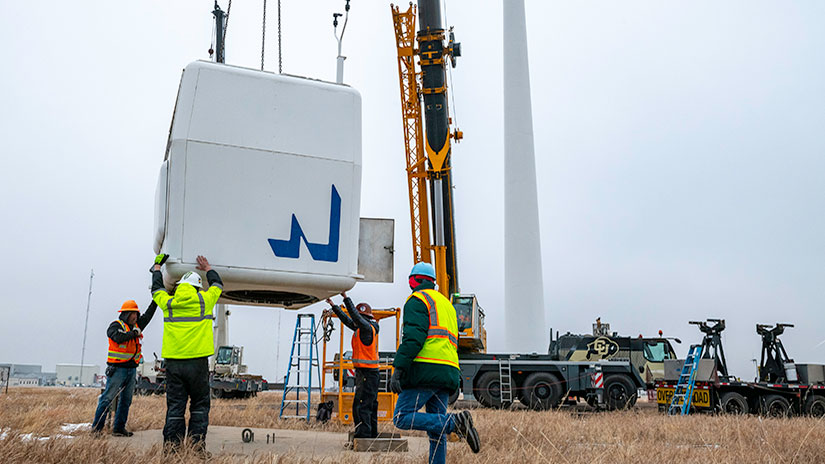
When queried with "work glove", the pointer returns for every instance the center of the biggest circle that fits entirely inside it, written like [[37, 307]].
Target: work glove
[[395, 381], [159, 260], [136, 331]]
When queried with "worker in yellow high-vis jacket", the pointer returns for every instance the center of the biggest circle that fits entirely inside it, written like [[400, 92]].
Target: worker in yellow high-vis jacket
[[187, 344], [426, 367]]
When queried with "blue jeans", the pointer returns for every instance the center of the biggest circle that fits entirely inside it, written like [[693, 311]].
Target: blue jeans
[[121, 382], [436, 422]]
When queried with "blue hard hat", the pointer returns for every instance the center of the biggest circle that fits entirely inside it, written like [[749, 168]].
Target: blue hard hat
[[423, 269]]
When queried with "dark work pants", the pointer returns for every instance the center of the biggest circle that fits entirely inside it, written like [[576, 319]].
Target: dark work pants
[[365, 403], [122, 383], [186, 379]]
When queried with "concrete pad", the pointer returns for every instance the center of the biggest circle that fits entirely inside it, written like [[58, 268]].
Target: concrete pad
[[221, 440]]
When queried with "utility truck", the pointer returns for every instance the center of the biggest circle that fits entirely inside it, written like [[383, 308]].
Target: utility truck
[[151, 377], [227, 379]]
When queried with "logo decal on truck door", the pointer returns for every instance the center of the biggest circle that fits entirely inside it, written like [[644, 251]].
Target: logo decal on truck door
[[319, 251]]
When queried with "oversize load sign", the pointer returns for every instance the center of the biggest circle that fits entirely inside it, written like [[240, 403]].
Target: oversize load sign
[[701, 398]]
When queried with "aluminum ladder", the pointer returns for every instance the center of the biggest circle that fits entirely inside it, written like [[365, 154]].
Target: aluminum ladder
[[505, 382], [303, 359], [683, 395]]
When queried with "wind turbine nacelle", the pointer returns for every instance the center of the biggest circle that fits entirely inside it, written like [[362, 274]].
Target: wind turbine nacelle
[[262, 175]]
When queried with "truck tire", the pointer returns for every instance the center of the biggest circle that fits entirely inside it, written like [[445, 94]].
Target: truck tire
[[215, 393], [541, 391], [619, 392], [815, 406], [488, 390], [734, 404], [775, 406]]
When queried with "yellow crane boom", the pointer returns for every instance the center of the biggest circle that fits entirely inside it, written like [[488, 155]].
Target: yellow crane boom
[[428, 157], [404, 23]]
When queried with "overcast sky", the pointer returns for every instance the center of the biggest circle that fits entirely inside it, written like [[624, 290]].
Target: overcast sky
[[679, 149]]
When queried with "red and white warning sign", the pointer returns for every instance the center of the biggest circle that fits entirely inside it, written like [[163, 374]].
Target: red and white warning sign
[[598, 380]]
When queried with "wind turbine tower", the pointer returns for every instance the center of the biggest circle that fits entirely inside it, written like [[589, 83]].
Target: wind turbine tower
[[523, 282]]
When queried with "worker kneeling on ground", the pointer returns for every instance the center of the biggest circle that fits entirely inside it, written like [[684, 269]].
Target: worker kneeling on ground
[[187, 345], [125, 335], [426, 367], [365, 360]]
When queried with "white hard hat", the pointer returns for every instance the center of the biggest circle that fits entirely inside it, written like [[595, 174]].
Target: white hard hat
[[191, 278]]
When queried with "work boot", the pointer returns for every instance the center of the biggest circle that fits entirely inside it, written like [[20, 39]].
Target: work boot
[[170, 449], [200, 452], [464, 428], [122, 433]]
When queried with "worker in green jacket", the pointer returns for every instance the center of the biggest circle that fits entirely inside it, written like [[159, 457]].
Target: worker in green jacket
[[187, 344], [426, 367]]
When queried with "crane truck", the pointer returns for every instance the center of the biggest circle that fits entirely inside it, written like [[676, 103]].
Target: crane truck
[[781, 388], [540, 381]]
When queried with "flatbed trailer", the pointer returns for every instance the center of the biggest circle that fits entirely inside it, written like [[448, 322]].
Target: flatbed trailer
[[736, 397], [541, 382]]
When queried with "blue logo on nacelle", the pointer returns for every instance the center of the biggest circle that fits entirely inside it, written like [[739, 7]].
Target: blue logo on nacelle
[[320, 252]]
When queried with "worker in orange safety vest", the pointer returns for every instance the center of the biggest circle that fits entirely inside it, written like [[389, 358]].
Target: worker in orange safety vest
[[125, 336], [365, 360]]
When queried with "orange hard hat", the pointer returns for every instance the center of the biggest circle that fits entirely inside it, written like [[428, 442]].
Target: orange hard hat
[[129, 305]]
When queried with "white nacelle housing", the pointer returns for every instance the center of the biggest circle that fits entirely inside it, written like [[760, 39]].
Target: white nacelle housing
[[262, 175]]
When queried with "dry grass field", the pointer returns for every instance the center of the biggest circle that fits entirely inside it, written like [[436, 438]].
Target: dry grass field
[[521, 437]]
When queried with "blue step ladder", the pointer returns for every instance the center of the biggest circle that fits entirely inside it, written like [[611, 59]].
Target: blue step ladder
[[303, 359], [682, 397]]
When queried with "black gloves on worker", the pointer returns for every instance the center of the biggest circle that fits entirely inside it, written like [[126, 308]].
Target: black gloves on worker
[[159, 260], [395, 381]]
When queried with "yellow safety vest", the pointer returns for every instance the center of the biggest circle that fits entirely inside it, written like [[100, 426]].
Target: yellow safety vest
[[441, 345], [187, 321]]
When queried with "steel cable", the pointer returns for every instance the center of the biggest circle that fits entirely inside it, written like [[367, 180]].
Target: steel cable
[[280, 63], [263, 36]]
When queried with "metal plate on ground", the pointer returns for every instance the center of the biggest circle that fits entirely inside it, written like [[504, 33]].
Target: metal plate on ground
[[380, 444]]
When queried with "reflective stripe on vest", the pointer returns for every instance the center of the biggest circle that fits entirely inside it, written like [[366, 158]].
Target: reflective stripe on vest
[[202, 317], [441, 345], [124, 352], [365, 356], [435, 330]]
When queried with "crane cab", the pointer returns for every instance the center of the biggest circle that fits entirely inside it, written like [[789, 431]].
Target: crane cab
[[472, 337]]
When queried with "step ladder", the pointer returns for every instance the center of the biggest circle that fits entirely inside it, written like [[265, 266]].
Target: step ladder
[[303, 359], [682, 397], [384, 375], [505, 382]]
